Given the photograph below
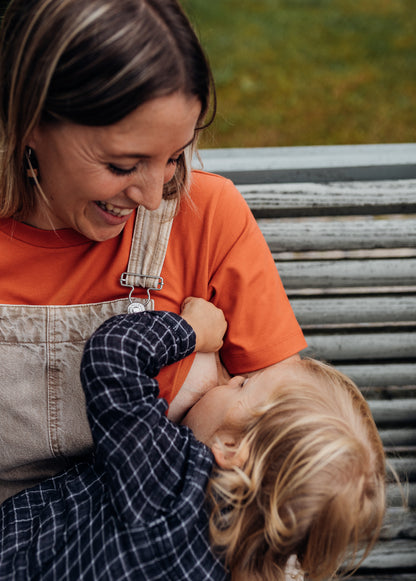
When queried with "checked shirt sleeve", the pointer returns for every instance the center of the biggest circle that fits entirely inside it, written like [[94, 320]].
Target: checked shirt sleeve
[[141, 452]]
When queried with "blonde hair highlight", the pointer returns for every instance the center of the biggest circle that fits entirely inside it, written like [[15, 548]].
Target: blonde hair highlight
[[313, 485]]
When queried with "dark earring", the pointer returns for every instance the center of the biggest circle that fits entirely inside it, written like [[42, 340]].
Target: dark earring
[[31, 165]]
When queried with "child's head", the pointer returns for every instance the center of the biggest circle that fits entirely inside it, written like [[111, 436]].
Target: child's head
[[301, 470]]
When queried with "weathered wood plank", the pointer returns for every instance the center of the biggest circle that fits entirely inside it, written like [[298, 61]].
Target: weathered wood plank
[[302, 235], [362, 346], [397, 496], [340, 198], [312, 163], [361, 310], [381, 376], [396, 554], [405, 466], [401, 437], [381, 577], [399, 523], [327, 274], [393, 410], [392, 391]]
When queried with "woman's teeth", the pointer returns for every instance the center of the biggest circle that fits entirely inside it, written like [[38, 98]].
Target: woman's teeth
[[114, 210]]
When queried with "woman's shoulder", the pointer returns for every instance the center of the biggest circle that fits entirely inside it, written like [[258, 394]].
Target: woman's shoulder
[[213, 190], [201, 179], [210, 203]]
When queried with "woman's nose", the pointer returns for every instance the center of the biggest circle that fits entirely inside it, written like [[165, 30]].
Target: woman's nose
[[149, 197], [148, 191]]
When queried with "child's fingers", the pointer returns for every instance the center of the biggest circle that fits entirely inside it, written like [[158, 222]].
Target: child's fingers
[[208, 322]]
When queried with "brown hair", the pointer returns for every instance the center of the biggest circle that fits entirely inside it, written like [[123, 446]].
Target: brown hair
[[92, 63], [313, 485]]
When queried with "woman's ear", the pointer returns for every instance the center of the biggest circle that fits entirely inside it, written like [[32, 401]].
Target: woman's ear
[[229, 452]]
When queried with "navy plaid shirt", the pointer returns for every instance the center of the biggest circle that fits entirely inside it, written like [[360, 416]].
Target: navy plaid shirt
[[138, 510]]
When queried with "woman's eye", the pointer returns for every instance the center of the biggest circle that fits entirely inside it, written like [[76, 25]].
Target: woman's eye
[[119, 171], [173, 161]]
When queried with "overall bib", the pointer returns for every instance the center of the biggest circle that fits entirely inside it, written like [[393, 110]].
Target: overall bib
[[43, 424]]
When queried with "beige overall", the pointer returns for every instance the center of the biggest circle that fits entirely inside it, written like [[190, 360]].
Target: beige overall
[[43, 422]]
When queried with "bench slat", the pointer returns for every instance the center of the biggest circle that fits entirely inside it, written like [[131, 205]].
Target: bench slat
[[312, 163], [316, 234], [348, 273], [359, 310], [395, 497], [399, 437], [377, 375], [396, 576], [395, 554], [393, 410], [361, 346], [309, 199], [398, 522]]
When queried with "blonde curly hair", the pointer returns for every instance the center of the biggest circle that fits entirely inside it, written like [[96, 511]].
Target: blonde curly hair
[[313, 484]]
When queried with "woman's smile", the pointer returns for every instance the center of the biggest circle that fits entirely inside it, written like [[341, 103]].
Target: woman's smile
[[115, 210]]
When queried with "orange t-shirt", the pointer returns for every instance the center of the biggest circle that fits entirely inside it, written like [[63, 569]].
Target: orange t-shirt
[[216, 251]]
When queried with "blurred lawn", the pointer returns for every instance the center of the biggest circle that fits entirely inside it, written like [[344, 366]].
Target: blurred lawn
[[309, 72]]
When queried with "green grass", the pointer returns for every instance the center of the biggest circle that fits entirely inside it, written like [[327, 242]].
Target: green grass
[[309, 72]]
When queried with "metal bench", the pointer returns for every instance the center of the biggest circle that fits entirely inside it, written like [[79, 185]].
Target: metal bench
[[341, 224]]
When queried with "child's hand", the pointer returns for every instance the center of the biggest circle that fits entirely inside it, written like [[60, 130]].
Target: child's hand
[[207, 321]]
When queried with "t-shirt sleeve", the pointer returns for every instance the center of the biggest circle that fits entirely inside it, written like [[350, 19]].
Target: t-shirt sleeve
[[245, 283]]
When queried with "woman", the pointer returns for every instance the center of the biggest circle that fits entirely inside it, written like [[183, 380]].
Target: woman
[[101, 104]]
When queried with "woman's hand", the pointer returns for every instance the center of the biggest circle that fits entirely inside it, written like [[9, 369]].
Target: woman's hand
[[207, 321]]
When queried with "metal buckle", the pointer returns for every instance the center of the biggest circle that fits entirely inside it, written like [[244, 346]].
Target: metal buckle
[[157, 287]]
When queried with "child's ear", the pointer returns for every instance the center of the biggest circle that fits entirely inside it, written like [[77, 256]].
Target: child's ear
[[229, 452]]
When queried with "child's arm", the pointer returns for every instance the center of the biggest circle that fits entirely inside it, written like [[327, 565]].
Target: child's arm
[[141, 452]]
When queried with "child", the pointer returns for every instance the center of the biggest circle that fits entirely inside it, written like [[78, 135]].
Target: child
[[299, 469]]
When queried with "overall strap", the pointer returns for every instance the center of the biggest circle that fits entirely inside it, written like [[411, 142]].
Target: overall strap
[[148, 250]]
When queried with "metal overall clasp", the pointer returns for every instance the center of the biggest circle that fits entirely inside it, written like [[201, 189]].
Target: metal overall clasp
[[134, 305]]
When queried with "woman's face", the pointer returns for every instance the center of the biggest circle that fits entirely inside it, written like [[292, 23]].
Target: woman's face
[[95, 177]]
